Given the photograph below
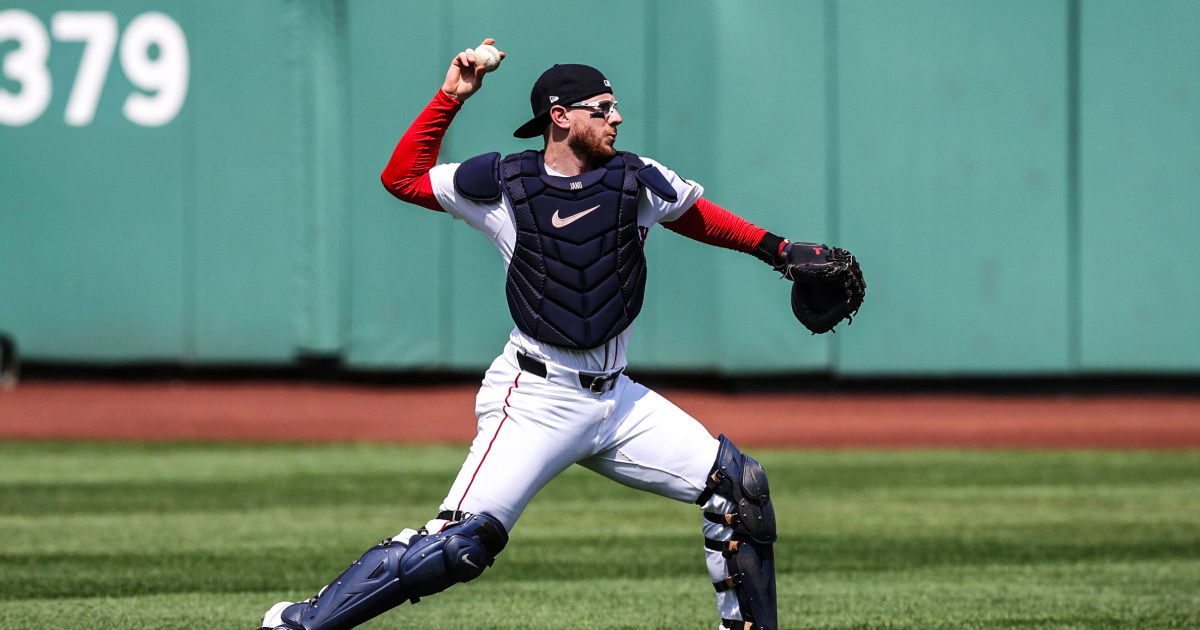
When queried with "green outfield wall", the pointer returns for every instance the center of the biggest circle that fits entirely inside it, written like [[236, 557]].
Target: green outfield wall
[[198, 182]]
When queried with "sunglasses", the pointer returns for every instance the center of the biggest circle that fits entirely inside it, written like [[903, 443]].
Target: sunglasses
[[607, 108]]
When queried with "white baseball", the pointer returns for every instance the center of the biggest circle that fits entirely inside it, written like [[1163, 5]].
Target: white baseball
[[487, 57]]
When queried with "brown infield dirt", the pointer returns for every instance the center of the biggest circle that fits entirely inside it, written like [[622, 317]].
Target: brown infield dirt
[[315, 412]]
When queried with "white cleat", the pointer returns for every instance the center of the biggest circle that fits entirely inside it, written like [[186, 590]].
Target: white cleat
[[274, 617]]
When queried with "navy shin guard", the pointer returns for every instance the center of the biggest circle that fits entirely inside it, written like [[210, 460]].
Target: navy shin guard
[[749, 555], [393, 572]]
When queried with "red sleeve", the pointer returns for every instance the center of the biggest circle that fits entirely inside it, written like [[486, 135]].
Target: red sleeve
[[407, 174], [713, 225]]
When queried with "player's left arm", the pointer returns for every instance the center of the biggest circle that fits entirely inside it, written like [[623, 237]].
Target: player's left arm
[[711, 224], [828, 286], [693, 216]]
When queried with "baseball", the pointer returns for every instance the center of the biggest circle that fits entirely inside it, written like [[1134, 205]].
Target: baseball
[[487, 57]]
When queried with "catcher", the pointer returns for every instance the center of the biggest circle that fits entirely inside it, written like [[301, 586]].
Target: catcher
[[570, 222]]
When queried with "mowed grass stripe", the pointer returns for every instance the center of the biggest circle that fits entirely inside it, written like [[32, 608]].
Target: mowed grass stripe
[[179, 570], [128, 535], [1111, 596]]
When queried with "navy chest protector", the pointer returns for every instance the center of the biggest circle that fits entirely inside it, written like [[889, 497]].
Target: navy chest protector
[[578, 274]]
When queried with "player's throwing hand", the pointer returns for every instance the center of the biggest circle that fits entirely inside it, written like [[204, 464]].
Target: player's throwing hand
[[465, 75]]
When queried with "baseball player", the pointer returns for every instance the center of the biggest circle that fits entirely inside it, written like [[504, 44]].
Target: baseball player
[[570, 222]]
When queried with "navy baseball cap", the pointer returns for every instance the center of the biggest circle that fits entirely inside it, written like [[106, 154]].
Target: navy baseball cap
[[562, 84]]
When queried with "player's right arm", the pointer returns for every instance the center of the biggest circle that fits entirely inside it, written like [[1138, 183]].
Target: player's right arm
[[406, 175]]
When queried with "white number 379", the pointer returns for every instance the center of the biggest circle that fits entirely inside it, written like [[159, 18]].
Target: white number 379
[[153, 53]]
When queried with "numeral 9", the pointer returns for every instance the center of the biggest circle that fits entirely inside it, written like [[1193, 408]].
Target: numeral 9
[[166, 76]]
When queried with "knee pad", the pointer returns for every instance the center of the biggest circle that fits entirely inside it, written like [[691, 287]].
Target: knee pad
[[457, 554], [749, 554], [396, 571]]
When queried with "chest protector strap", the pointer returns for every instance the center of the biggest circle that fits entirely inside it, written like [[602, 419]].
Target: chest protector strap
[[578, 274]]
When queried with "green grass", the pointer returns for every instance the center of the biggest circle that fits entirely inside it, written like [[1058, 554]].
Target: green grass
[[133, 537]]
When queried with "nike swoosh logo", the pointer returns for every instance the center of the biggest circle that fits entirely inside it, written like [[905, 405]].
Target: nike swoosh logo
[[467, 559], [560, 222]]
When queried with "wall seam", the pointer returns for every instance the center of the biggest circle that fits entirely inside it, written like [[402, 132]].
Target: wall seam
[[191, 227], [1074, 242], [445, 333], [832, 153]]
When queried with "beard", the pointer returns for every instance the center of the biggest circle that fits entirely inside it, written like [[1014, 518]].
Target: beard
[[593, 144]]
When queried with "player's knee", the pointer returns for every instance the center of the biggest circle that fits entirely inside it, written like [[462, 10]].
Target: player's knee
[[744, 507], [742, 481], [459, 553]]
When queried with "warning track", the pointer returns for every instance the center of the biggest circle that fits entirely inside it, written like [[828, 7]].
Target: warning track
[[310, 412]]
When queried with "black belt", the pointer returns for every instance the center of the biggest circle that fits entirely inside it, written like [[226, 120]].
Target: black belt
[[594, 383]]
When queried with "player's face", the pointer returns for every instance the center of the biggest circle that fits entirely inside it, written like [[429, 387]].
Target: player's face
[[594, 129]]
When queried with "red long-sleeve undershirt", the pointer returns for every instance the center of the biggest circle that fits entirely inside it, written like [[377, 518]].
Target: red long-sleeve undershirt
[[713, 225], [406, 176]]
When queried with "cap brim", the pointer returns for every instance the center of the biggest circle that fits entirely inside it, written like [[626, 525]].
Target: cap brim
[[534, 128]]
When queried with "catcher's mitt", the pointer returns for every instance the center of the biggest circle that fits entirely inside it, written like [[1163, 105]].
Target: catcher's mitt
[[827, 284]]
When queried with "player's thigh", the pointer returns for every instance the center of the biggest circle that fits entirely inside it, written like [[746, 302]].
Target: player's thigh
[[655, 446], [526, 437]]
